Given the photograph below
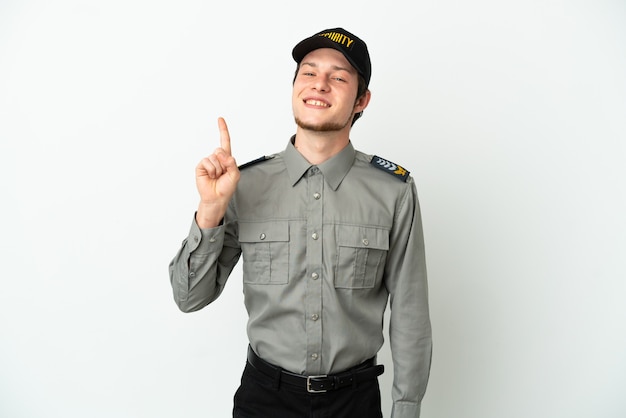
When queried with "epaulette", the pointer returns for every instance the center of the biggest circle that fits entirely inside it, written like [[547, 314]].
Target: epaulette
[[387, 166], [258, 160]]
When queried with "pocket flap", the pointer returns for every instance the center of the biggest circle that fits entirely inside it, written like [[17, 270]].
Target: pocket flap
[[362, 237], [270, 231]]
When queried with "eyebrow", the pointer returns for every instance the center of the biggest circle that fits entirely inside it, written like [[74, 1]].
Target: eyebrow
[[334, 67]]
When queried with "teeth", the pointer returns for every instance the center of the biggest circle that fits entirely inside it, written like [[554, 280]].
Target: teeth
[[316, 103]]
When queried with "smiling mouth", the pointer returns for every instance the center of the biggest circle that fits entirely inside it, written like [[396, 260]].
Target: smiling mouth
[[316, 103]]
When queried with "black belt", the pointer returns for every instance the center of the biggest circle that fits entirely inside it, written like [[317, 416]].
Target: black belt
[[318, 384]]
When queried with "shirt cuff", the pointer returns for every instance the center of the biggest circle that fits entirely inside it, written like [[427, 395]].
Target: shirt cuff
[[205, 240]]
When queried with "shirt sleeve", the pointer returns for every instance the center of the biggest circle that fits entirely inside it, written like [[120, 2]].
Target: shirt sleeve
[[410, 332], [200, 269]]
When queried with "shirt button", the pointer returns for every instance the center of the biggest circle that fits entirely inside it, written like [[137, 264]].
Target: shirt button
[[317, 196], [212, 239], [315, 276], [192, 274], [366, 241], [262, 237], [314, 356], [315, 236], [195, 238], [315, 317]]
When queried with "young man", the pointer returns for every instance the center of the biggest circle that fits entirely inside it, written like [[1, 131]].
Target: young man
[[328, 236]]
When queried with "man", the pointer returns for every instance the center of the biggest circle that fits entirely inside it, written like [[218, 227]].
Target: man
[[328, 236]]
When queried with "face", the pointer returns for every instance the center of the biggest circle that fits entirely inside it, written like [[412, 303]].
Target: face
[[324, 92]]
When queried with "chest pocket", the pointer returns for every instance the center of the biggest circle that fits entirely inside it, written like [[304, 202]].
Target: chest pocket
[[361, 252], [265, 249]]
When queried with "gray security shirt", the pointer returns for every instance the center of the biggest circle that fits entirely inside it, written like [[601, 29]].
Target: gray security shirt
[[324, 248]]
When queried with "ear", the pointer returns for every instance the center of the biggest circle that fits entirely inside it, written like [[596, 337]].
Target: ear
[[362, 102]]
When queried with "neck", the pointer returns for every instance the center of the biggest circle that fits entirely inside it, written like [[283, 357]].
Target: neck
[[318, 147]]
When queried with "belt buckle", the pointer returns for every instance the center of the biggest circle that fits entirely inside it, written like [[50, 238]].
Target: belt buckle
[[308, 384]]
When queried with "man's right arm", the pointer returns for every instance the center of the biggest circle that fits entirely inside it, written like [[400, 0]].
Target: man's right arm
[[201, 267]]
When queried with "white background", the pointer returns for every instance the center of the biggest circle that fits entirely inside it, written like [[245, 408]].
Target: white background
[[510, 115]]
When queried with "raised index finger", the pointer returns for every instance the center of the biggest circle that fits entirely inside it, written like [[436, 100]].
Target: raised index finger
[[224, 135]]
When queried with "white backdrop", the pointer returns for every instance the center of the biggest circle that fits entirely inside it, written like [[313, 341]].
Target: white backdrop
[[510, 115]]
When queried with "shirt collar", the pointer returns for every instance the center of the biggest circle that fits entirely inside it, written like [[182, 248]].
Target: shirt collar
[[334, 169]]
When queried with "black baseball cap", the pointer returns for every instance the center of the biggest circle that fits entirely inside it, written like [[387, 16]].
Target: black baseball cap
[[351, 46]]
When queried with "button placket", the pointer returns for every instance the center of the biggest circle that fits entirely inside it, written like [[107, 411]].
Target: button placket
[[313, 296]]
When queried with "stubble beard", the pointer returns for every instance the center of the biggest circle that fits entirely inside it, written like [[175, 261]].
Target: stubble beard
[[324, 127]]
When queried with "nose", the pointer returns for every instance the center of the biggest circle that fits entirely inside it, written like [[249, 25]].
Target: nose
[[321, 84]]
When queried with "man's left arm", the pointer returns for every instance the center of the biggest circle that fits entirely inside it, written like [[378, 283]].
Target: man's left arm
[[409, 330]]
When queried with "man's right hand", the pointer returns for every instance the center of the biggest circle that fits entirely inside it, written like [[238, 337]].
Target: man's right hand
[[216, 179]]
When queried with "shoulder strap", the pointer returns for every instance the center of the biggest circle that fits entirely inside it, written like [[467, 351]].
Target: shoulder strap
[[388, 167]]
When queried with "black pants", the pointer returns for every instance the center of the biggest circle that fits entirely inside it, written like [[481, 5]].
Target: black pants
[[260, 396]]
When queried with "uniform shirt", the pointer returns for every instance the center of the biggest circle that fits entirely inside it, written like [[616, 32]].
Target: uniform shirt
[[324, 248]]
